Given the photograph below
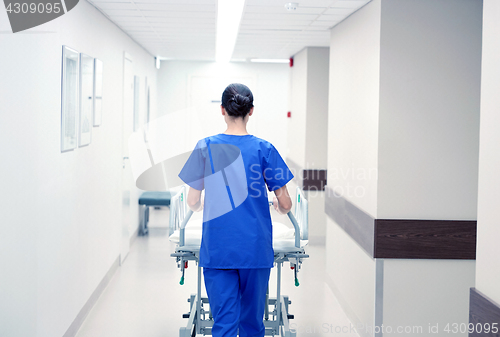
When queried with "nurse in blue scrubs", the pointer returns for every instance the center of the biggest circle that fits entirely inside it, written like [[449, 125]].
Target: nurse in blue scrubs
[[236, 170]]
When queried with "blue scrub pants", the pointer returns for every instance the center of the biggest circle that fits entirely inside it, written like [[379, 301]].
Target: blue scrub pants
[[237, 299]]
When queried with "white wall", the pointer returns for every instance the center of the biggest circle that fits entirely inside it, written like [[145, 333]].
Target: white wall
[[61, 212], [352, 155], [351, 275], [317, 108], [404, 99], [488, 212], [268, 82], [296, 125], [430, 73], [308, 126], [354, 107], [418, 293]]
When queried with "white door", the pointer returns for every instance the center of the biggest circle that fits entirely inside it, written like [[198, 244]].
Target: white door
[[127, 129], [205, 94]]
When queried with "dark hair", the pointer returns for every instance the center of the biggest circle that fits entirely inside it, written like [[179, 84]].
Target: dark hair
[[237, 99]]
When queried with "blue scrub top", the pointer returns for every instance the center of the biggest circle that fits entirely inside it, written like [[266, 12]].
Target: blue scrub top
[[236, 172]]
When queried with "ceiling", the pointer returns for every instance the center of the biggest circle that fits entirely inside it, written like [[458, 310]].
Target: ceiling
[[185, 29]]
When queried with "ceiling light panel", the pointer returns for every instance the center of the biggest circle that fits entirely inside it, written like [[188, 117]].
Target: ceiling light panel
[[229, 13]]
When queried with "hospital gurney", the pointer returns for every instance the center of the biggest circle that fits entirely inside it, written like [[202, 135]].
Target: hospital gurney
[[288, 245]]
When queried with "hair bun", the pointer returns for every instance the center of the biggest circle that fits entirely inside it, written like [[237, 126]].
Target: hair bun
[[241, 100], [237, 99]]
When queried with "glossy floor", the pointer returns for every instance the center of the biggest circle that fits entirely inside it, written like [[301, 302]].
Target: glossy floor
[[144, 298]]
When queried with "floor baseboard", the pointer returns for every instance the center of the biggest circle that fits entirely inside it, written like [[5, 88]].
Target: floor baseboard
[[80, 318], [355, 321]]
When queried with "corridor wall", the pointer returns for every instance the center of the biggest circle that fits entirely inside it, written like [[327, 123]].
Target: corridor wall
[[61, 212], [403, 134], [353, 156], [486, 305], [307, 131]]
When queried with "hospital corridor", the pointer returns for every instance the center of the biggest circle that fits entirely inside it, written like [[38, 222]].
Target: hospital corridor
[[189, 168]]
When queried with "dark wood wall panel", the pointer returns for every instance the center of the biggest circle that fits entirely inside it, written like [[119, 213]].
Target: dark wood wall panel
[[425, 239], [308, 180], [400, 238], [358, 224], [483, 310], [313, 180]]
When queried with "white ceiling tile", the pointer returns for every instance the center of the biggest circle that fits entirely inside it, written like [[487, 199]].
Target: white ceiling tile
[[185, 29], [340, 11], [316, 28], [135, 26], [350, 3], [115, 5], [99, 2], [167, 14], [128, 19], [282, 10], [281, 3], [271, 23], [324, 23], [177, 2], [180, 15], [279, 17], [122, 12], [191, 31], [183, 22], [175, 8]]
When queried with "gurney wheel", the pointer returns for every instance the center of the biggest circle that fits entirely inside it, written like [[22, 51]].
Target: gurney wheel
[[290, 316], [185, 315]]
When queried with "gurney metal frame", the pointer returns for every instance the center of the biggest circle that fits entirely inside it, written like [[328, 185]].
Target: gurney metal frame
[[198, 322]]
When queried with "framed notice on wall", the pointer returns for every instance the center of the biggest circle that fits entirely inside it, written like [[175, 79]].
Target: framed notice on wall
[[86, 98], [69, 98], [97, 92]]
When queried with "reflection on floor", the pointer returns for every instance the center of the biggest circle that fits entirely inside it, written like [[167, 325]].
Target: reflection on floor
[[144, 297]]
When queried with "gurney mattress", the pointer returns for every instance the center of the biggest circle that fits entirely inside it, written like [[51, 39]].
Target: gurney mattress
[[283, 237]]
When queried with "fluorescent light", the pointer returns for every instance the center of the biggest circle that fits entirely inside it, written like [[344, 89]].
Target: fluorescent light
[[229, 14], [270, 60]]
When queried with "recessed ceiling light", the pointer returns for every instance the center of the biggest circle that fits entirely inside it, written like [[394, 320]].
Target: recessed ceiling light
[[291, 6], [229, 14]]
